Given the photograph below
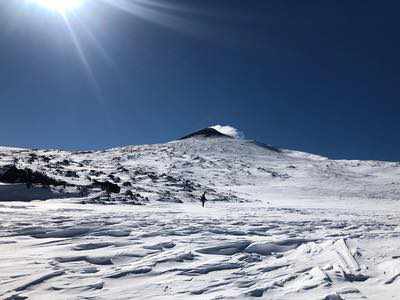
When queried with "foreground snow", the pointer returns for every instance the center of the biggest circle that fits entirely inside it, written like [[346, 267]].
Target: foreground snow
[[61, 250]]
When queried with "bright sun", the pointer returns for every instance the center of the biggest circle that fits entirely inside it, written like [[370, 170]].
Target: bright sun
[[61, 6]]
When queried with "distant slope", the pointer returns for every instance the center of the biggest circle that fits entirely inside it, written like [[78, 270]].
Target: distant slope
[[228, 169]]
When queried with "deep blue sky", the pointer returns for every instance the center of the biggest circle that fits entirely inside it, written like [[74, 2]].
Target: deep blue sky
[[317, 76]]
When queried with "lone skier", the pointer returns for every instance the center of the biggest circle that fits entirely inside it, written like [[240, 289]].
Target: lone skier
[[203, 199]]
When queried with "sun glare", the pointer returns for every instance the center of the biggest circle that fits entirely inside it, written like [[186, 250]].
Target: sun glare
[[61, 6]]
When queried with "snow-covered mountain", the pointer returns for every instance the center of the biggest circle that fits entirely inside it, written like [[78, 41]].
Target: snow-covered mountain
[[279, 224], [225, 167]]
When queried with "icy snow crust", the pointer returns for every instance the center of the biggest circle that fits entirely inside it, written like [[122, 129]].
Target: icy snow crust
[[280, 224]]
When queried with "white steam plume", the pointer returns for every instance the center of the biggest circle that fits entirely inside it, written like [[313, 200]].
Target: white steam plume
[[229, 130]]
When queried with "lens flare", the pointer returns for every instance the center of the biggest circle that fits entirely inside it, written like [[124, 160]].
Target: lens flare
[[61, 6]]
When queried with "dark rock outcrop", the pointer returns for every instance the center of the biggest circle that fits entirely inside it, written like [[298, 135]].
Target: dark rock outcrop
[[206, 133], [12, 174], [107, 186]]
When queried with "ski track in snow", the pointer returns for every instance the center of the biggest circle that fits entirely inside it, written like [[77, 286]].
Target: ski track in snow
[[280, 224]]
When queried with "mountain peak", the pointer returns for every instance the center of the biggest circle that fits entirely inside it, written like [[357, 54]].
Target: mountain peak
[[217, 131], [208, 132]]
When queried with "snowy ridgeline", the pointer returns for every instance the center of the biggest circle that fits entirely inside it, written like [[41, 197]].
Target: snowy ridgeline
[[280, 224], [228, 169]]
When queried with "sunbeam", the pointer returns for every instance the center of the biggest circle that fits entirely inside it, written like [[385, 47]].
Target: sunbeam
[[158, 13], [82, 57], [96, 43]]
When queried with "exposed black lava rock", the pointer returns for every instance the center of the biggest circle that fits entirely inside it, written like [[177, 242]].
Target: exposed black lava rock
[[32, 158], [95, 173], [207, 132], [65, 162], [271, 148], [116, 179], [16, 175], [45, 159], [107, 186], [71, 174]]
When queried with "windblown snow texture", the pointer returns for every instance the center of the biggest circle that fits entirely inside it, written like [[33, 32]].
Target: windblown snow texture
[[127, 223]]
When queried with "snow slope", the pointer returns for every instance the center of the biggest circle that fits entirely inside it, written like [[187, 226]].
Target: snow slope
[[229, 169], [280, 224]]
